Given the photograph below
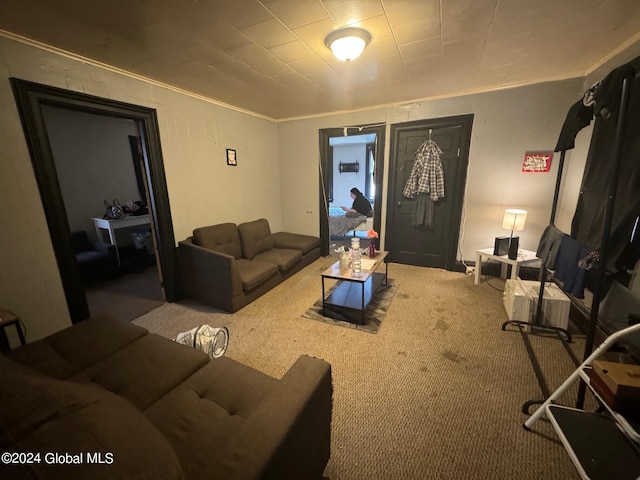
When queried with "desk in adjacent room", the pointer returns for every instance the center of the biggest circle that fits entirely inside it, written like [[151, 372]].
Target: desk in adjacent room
[[525, 257], [112, 225]]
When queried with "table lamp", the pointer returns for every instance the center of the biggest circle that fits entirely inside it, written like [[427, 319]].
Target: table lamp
[[514, 219]]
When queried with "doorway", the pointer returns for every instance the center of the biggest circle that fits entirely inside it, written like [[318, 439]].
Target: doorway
[[31, 98], [433, 245], [367, 169]]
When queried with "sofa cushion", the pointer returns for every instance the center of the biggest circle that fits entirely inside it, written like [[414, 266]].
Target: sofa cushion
[[283, 257], [73, 349], [254, 272], [201, 415], [295, 241], [255, 237], [219, 238], [44, 415], [145, 370]]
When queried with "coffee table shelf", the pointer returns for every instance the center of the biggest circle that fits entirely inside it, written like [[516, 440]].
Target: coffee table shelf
[[352, 295]]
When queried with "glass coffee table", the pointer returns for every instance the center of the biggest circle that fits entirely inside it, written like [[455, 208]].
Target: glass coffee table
[[351, 296]]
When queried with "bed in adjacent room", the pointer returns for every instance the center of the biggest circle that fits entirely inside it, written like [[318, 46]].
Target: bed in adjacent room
[[341, 223]]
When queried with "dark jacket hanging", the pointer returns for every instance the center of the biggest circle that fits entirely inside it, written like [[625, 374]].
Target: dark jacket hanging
[[586, 226]]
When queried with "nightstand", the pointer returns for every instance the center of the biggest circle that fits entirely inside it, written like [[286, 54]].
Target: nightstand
[[6, 320], [525, 257]]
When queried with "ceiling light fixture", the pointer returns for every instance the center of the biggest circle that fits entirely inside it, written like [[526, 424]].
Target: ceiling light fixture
[[347, 43]]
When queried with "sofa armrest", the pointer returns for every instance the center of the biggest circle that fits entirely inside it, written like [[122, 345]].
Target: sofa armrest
[[289, 435], [207, 275], [295, 241]]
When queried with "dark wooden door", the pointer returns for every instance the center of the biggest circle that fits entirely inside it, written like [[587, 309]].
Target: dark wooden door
[[433, 246]]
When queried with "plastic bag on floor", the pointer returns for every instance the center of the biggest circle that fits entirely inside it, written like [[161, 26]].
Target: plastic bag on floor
[[143, 240], [211, 340]]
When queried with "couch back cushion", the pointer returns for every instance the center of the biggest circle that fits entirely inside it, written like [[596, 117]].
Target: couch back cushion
[[65, 353], [255, 237], [223, 238]]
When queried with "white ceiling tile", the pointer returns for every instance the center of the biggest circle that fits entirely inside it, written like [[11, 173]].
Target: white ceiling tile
[[421, 48], [249, 53], [296, 13], [416, 31], [310, 65], [313, 36], [240, 13], [245, 52], [349, 12], [269, 33], [377, 26], [404, 12], [292, 51]]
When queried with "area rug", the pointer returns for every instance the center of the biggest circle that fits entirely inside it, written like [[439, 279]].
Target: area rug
[[373, 314]]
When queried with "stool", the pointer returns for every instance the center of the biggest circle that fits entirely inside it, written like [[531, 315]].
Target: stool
[[7, 319]]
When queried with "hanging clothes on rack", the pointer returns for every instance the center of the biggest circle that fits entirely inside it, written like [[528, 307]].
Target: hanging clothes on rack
[[579, 116], [549, 245], [586, 226], [578, 262], [427, 177], [568, 269]]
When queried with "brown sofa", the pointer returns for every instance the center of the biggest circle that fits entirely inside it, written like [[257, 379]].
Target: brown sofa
[[108, 400], [228, 266]]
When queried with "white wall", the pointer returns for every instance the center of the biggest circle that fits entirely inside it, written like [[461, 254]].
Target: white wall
[[202, 188], [344, 182], [506, 124]]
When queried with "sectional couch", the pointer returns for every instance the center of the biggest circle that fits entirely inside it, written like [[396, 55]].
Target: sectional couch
[[228, 266], [106, 399]]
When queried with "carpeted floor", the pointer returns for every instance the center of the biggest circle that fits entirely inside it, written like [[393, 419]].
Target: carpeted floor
[[127, 296], [436, 394]]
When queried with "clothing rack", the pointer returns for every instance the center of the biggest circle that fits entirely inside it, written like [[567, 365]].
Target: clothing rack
[[563, 335], [536, 325]]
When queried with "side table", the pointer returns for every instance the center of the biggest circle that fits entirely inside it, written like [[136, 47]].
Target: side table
[[525, 257], [7, 319]]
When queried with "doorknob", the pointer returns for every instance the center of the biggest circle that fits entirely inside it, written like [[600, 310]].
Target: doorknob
[[399, 204]]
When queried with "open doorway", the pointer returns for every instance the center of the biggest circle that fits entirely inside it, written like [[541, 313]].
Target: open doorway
[[350, 157], [31, 100], [99, 158]]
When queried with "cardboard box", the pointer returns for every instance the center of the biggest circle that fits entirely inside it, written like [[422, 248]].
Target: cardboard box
[[627, 407], [622, 379]]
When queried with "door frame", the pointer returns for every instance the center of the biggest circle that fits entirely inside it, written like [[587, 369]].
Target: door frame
[[466, 123], [30, 97], [326, 165]]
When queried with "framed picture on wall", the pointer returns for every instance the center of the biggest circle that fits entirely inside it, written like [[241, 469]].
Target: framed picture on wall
[[231, 157]]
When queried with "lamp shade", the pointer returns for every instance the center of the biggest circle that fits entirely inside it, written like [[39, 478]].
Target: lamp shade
[[347, 43], [514, 219]]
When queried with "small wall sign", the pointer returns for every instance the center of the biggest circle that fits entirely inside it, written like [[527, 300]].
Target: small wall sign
[[231, 157], [537, 162]]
